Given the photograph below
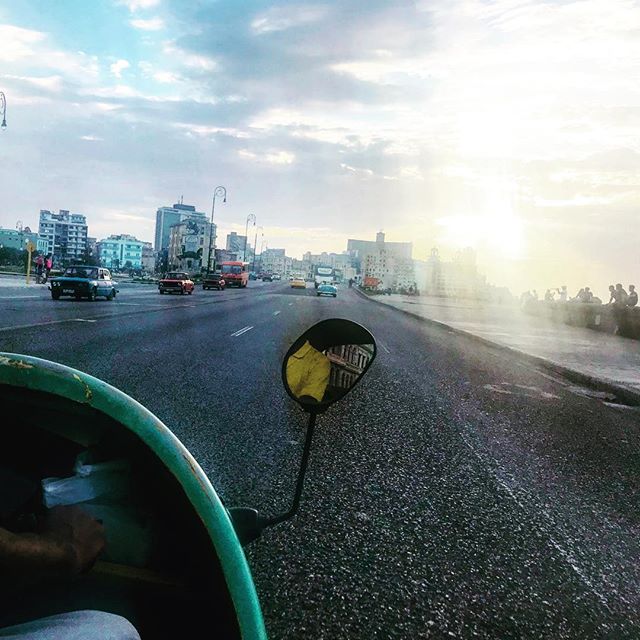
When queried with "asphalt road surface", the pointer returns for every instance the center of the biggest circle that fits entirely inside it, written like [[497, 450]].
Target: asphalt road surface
[[456, 492]]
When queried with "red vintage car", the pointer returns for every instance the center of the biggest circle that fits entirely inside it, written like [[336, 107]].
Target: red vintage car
[[176, 282]]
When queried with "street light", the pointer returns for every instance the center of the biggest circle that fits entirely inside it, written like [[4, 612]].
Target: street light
[[3, 110], [255, 248], [246, 231], [220, 192], [261, 246]]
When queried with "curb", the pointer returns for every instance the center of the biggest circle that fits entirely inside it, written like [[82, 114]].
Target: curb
[[628, 395]]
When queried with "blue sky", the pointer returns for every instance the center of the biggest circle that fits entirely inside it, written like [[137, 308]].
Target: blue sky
[[507, 125]]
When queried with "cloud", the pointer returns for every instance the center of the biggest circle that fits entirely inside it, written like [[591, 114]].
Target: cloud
[[118, 67], [136, 5], [18, 43], [188, 59], [271, 157], [166, 77], [49, 83], [149, 24], [283, 18]]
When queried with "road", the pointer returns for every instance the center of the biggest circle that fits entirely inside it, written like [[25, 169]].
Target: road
[[456, 492]]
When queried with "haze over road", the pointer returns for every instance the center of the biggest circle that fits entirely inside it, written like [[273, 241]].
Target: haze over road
[[456, 492]]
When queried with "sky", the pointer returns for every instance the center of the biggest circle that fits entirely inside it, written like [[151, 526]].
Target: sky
[[511, 126]]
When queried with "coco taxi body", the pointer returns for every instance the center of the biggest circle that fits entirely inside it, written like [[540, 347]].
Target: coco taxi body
[[80, 441]]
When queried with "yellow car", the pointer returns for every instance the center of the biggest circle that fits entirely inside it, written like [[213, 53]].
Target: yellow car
[[298, 283]]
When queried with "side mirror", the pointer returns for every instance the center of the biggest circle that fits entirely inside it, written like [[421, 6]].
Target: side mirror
[[319, 368], [326, 362]]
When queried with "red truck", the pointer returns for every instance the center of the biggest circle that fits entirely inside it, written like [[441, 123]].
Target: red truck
[[235, 273]]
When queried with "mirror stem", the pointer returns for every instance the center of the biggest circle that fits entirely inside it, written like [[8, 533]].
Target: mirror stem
[[301, 474]]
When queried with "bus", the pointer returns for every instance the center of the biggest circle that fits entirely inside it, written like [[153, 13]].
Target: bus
[[235, 273], [323, 275]]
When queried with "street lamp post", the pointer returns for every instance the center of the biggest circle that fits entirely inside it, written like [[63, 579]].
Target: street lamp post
[[255, 248], [220, 192], [3, 110], [246, 231]]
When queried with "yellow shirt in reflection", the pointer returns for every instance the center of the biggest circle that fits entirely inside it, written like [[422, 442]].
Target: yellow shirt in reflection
[[308, 372]]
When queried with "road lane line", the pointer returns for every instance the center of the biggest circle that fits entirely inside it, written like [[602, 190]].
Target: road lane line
[[241, 331], [383, 346], [291, 304], [563, 547], [275, 313], [83, 320], [39, 324]]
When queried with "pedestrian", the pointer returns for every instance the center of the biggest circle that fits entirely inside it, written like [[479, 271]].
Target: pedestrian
[[587, 296], [39, 262], [563, 293], [632, 299], [618, 301], [548, 296], [621, 294], [48, 265]]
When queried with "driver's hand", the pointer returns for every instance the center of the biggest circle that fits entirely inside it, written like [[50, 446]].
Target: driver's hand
[[81, 534]]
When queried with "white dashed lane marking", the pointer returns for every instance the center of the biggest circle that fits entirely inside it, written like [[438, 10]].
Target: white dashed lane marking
[[239, 332]]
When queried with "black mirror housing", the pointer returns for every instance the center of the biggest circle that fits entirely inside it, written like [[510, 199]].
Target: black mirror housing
[[326, 362]]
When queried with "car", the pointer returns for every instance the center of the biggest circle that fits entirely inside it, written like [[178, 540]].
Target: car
[[213, 281], [176, 282], [83, 281], [253, 275], [277, 276], [298, 283], [267, 277], [327, 290]]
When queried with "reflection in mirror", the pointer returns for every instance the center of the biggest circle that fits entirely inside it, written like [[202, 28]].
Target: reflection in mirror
[[327, 361]]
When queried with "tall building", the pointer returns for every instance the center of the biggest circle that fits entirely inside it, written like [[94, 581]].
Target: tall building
[[189, 245], [275, 261], [120, 252], [65, 234], [148, 257], [236, 243], [385, 264], [358, 248], [166, 217], [458, 278]]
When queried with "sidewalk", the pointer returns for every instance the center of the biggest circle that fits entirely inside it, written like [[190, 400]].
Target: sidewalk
[[606, 362]]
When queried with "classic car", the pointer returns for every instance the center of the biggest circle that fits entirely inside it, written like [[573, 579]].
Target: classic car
[[83, 281], [176, 282], [213, 281], [327, 290], [298, 283]]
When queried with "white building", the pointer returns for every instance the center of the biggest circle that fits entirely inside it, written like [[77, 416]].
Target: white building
[[275, 261], [148, 257], [65, 235], [387, 263], [120, 251], [458, 278]]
